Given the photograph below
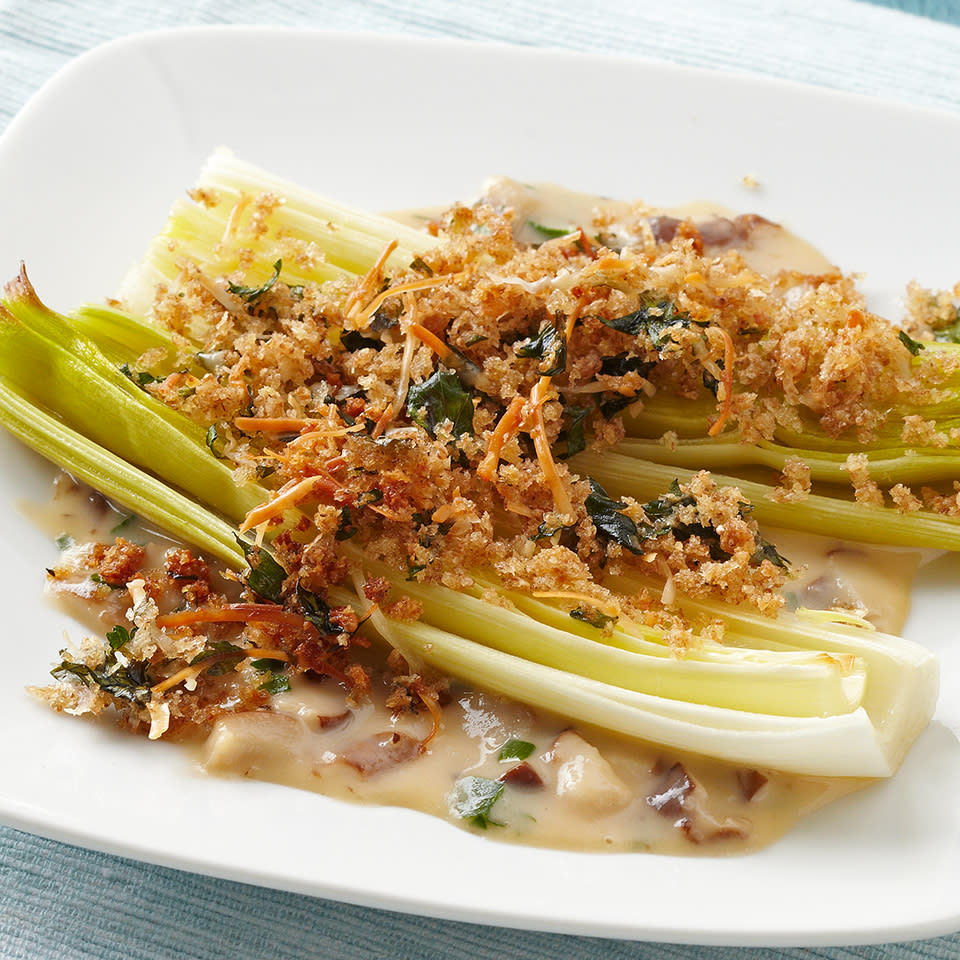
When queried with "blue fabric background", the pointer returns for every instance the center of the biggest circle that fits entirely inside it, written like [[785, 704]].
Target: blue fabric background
[[64, 902]]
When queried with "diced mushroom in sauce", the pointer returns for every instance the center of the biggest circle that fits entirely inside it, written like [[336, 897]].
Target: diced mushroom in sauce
[[522, 775], [584, 777], [253, 744], [679, 797], [380, 752]]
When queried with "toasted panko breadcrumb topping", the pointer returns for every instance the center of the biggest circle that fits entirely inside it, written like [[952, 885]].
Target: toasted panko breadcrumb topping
[[426, 420], [433, 409], [795, 481]]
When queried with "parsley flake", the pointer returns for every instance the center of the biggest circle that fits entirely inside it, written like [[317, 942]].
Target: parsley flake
[[441, 398], [549, 346], [474, 798], [655, 318], [252, 294], [610, 520], [265, 576], [914, 346], [515, 749], [275, 683]]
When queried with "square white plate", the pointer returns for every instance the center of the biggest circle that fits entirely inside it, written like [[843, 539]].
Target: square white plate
[[87, 173]]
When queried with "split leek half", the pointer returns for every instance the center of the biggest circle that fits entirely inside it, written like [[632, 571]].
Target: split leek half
[[819, 701], [224, 221], [833, 516], [318, 238]]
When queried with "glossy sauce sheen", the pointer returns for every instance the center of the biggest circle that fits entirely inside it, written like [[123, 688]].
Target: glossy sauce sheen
[[579, 788]]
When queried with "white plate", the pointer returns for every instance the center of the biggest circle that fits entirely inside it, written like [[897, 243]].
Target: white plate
[[86, 175]]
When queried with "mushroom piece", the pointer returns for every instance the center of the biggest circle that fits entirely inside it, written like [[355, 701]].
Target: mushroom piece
[[585, 777], [522, 775], [252, 744], [681, 798], [380, 751]]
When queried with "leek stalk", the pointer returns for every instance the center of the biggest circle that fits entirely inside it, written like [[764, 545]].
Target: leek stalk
[[129, 487], [67, 373], [623, 476], [802, 710], [318, 239], [782, 694]]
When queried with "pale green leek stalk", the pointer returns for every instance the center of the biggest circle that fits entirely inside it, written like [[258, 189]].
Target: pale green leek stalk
[[791, 709], [317, 239], [852, 744], [818, 701], [623, 476], [850, 688], [887, 466], [112, 476], [68, 374]]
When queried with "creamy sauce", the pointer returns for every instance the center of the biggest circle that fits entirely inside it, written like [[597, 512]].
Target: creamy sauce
[[766, 247], [871, 582], [579, 788]]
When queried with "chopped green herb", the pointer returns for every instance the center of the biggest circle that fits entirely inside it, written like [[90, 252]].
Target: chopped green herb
[[474, 798], [711, 382], [231, 655], [621, 364], [610, 520], [264, 664], [369, 496], [216, 439], [387, 316], [574, 431], [426, 540], [346, 418], [346, 528], [125, 681], [949, 332], [265, 577], [353, 340], [914, 346], [119, 636], [275, 683], [96, 578], [551, 233], [545, 531], [140, 377], [662, 510], [663, 514], [421, 266], [655, 318], [414, 570], [252, 294], [516, 750], [441, 398], [595, 618], [767, 551], [549, 346], [128, 521], [65, 541], [614, 403], [316, 611]]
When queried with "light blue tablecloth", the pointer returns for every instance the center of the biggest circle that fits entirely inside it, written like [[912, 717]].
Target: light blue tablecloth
[[63, 902]]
